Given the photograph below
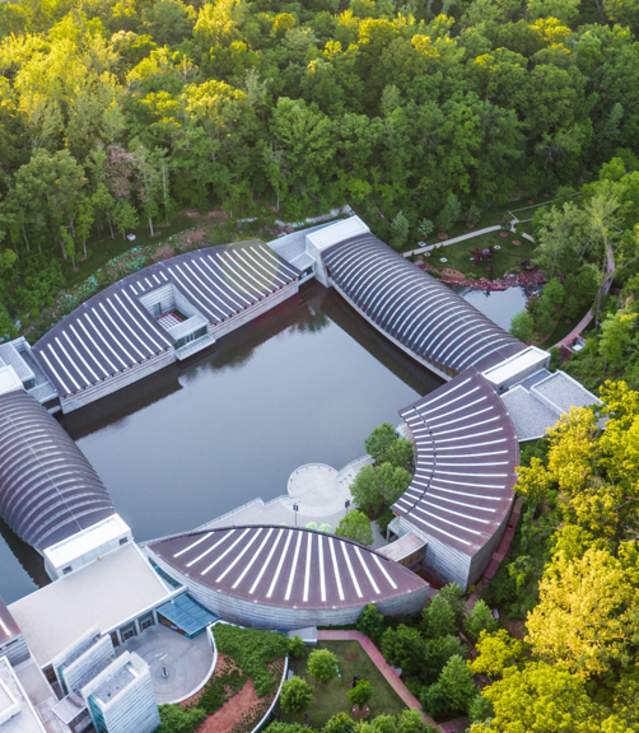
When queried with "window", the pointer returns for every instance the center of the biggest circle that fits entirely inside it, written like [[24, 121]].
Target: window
[[128, 631], [67, 570], [124, 540], [146, 621]]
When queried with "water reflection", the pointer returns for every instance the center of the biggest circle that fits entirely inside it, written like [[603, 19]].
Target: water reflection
[[499, 305], [306, 382]]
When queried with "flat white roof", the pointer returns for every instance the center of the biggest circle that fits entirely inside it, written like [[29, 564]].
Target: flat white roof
[[98, 535], [19, 713], [105, 594], [9, 380], [515, 365], [337, 232]]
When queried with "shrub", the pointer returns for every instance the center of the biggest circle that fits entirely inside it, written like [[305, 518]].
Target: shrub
[[361, 693], [340, 723], [296, 695], [322, 664], [296, 647], [252, 650], [176, 719]]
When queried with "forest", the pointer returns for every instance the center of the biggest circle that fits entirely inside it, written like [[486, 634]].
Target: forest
[[119, 114]]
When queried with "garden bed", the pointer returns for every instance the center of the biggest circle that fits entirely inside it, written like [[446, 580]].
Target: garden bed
[[329, 698], [250, 668], [510, 253]]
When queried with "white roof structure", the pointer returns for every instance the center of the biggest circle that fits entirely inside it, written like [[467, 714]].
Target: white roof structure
[[338, 232], [516, 367], [17, 714], [9, 380], [97, 535], [105, 594]]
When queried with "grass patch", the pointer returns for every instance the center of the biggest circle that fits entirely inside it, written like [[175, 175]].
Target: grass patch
[[330, 698], [508, 258]]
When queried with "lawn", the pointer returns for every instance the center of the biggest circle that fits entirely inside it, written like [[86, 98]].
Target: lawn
[[507, 259], [330, 698]]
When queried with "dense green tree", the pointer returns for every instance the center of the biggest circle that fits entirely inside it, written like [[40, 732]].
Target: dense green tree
[[340, 723], [367, 491], [355, 525], [522, 326], [296, 694], [380, 441], [479, 619], [438, 618], [361, 693], [453, 692], [404, 647], [371, 622], [323, 665]]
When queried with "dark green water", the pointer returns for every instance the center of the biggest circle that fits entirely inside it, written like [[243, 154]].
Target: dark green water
[[306, 382]]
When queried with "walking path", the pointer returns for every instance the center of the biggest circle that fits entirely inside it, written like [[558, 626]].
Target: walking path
[[405, 695], [568, 340], [454, 240]]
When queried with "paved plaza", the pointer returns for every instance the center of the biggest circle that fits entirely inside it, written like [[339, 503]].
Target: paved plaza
[[320, 493], [188, 662]]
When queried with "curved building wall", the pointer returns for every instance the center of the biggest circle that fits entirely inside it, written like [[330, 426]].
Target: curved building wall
[[119, 335], [286, 578], [48, 490], [416, 311], [461, 494]]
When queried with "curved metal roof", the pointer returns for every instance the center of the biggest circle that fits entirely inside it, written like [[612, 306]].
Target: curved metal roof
[[113, 331], [466, 453], [414, 308], [286, 566], [48, 490]]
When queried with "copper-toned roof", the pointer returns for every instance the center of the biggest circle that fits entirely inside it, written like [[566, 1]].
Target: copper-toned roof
[[113, 332], [417, 310], [466, 452], [287, 567], [48, 489]]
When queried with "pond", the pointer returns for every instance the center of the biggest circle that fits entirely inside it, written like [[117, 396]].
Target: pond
[[499, 305], [306, 382]]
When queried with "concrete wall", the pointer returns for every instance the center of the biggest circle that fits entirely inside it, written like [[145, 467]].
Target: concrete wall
[[136, 373], [247, 613], [448, 563], [119, 381], [256, 310]]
